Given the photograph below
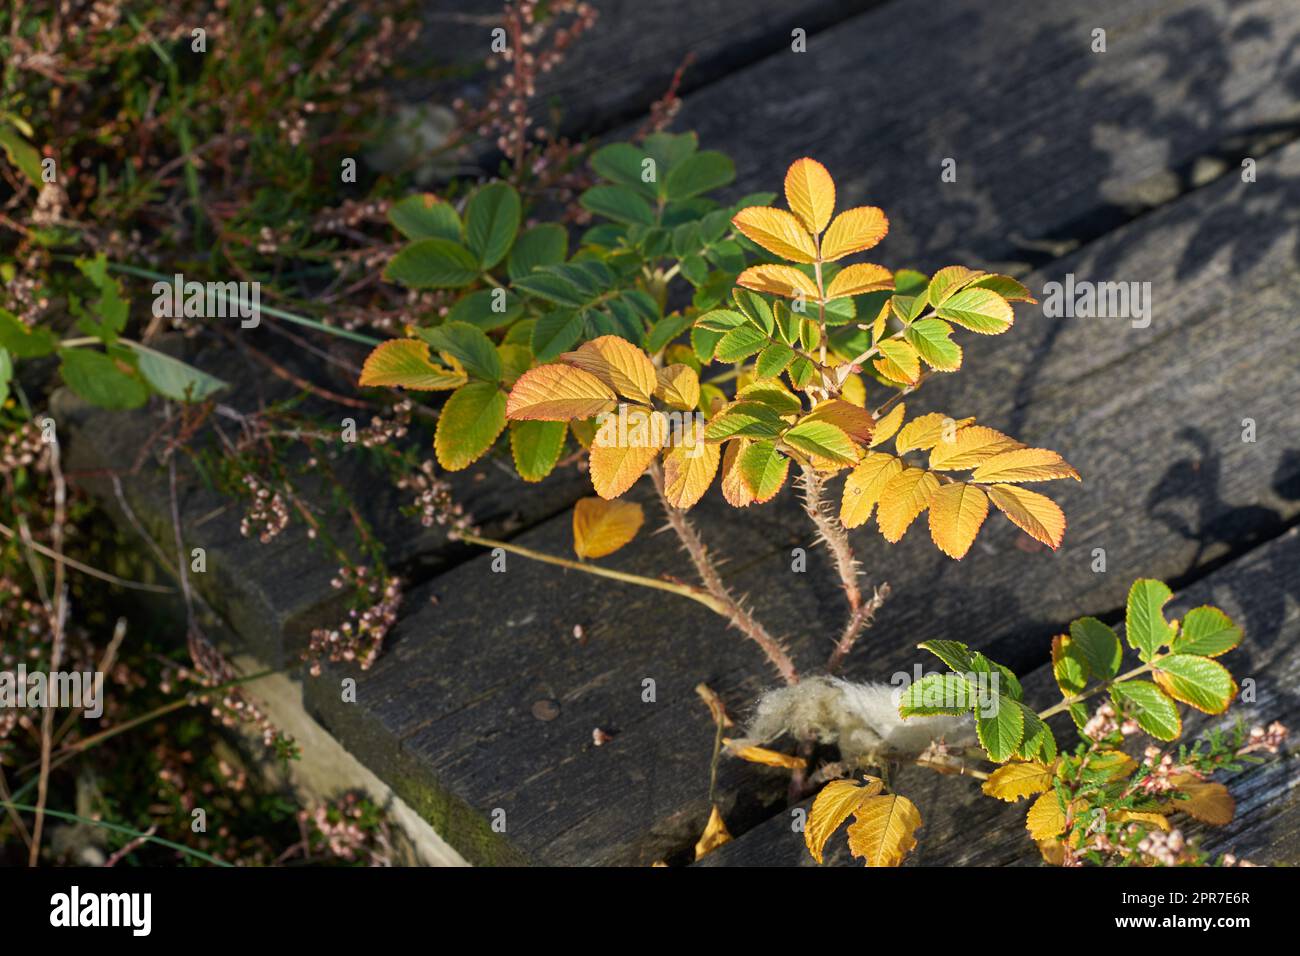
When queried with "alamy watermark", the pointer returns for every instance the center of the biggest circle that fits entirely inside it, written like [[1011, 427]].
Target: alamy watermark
[[634, 427], [1103, 300], [179, 298], [76, 689]]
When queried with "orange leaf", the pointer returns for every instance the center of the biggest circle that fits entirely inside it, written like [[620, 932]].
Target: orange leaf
[[1025, 464], [863, 486], [1036, 515], [557, 393], [956, 513], [855, 422], [689, 469], [810, 191], [902, 499], [619, 364], [623, 449], [778, 280], [777, 231], [859, 278], [734, 487], [853, 231], [602, 527], [970, 447], [887, 426]]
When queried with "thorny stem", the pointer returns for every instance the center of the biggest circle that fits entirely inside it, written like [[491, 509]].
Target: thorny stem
[[732, 609]]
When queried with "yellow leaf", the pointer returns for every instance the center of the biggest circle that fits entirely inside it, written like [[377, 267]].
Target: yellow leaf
[[1024, 464], [883, 830], [1210, 802], [1053, 852], [904, 497], [1135, 816], [1036, 515], [899, 362], [969, 448], [834, 804], [624, 447], [715, 834], [769, 758], [406, 362], [859, 279], [1015, 781], [947, 281], [863, 486], [926, 431], [956, 512], [734, 487], [887, 427], [679, 387], [854, 391], [778, 280], [855, 422], [881, 320], [810, 191], [557, 393], [619, 364], [777, 231], [602, 527], [854, 230], [1116, 763], [689, 469], [1045, 818]]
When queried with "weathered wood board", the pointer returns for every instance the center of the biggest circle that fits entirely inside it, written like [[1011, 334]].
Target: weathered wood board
[[449, 709], [1260, 591]]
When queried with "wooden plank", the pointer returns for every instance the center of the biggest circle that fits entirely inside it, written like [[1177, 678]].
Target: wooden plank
[[1054, 144], [1151, 417], [1261, 591]]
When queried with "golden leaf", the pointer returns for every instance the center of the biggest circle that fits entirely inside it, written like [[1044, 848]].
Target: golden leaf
[[678, 386], [624, 447], [601, 527], [859, 279], [834, 804], [899, 362], [810, 191], [406, 362], [854, 391], [778, 280], [863, 486], [969, 448], [619, 364], [855, 422], [734, 487], [557, 393], [769, 758], [1015, 781], [1024, 464], [689, 469], [777, 231], [902, 499], [887, 427], [1036, 515], [1135, 816], [1045, 818], [957, 511], [715, 834], [854, 230], [883, 830], [926, 431], [1053, 852], [1209, 802]]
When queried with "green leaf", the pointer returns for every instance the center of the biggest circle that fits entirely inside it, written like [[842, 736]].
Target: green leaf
[[744, 420], [1149, 706], [763, 469], [620, 203], [425, 217], [739, 344], [21, 154], [6, 375], [1000, 733], [173, 378], [491, 221], [433, 264], [953, 653], [664, 331], [470, 421], [544, 245], [1199, 681], [487, 309], [773, 394], [624, 164], [755, 308], [980, 310], [934, 694], [701, 173], [704, 341], [536, 447], [553, 288], [1099, 645], [556, 332], [24, 341], [99, 380], [468, 345], [772, 361], [1144, 622], [823, 440], [1039, 743], [930, 338], [721, 320], [1206, 631]]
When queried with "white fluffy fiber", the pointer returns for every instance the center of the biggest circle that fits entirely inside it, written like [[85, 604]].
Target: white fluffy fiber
[[861, 718]]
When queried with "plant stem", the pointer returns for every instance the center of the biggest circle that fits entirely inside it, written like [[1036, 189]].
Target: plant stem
[[1104, 685], [675, 587], [730, 607]]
